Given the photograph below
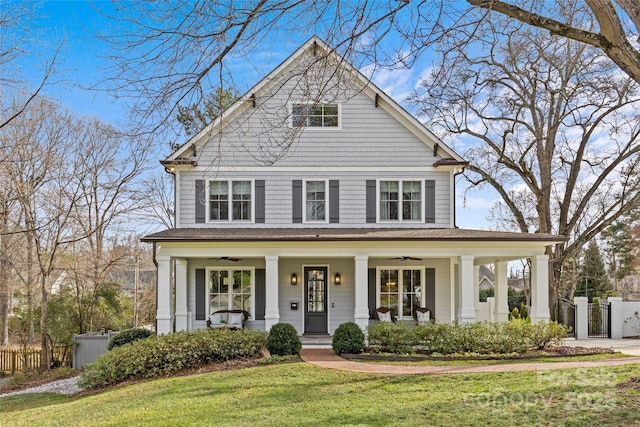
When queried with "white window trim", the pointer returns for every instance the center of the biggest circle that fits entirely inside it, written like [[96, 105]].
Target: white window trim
[[423, 297], [230, 220], [401, 220], [230, 269], [319, 128], [304, 202]]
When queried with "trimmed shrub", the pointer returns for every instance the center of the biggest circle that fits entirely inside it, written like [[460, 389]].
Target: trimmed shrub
[[161, 355], [516, 336], [544, 334], [391, 337], [283, 340], [128, 336], [348, 338]]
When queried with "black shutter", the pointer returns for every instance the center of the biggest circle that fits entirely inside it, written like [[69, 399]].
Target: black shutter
[[201, 202], [430, 291], [297, 201], [201, 294], [373, 304], [261, 294], [334, 201], [430, 201], [260, 201], [371, 200]]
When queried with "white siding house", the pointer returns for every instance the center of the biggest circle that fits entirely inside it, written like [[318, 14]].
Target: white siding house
[[316, 199]]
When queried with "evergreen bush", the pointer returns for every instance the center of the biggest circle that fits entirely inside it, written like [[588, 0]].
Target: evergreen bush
[[283, 340], [348, 338], [161, 355], [128, 336]]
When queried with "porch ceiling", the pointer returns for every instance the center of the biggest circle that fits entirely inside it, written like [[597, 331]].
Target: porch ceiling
[[346, 234]]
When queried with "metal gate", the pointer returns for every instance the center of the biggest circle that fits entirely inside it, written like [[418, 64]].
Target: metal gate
[[599, 320], [567, 315]]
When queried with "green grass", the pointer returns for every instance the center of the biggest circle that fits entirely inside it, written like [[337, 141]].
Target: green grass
[[305, 395], [470, 362]]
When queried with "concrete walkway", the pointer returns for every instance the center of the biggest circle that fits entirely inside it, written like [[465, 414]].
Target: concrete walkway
[[625, 346], [326, 358]]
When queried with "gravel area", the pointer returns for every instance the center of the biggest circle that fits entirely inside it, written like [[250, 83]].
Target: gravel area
[[67, 386]]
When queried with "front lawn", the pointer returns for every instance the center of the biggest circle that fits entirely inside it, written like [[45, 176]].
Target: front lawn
[[305, 395]]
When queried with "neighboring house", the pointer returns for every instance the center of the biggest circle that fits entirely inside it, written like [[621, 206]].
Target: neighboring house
[[316, 198], [485, 278]]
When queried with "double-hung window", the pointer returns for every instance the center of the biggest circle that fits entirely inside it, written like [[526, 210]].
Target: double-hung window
[[401, 289], [230, 200], [231, 289], [400, 200], [315, 201], [315, 115]]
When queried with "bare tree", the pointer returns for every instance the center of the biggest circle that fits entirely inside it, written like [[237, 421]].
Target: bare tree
[[106, 173], [618, 22], [550, 123], [169, 54], [159, 206], [15, 20]]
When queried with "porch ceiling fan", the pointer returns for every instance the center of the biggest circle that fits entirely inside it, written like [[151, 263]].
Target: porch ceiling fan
[[228, 258], [404, 258]]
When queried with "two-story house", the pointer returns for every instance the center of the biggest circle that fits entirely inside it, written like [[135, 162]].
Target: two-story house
[[314, 200]]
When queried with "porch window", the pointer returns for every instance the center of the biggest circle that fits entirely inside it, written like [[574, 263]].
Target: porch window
[[316, 201], [400, 200], [230, 200], [231, 289], [401, 289], [315, 115]]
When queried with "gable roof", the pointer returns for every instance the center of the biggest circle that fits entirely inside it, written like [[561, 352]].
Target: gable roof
[[380, 98]]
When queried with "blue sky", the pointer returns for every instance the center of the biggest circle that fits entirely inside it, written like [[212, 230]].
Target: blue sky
[[82, 63]]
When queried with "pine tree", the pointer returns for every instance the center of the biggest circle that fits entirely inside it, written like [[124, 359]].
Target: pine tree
[[592, 276]]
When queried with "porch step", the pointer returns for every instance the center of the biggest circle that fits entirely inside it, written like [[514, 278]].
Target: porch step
[[316, 341]]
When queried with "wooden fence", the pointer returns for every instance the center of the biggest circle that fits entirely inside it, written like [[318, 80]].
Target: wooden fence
[[16, 360]]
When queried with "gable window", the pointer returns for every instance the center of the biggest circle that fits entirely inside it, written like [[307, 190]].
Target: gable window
[[231, 289], [230, 200], [315, 201], [401, 289], [400, 200], [314, 115]]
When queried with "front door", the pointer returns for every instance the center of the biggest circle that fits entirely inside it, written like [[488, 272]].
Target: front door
[[315, 294]]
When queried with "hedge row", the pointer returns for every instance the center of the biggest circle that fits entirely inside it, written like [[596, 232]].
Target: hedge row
[[165, 354], [516, 336]]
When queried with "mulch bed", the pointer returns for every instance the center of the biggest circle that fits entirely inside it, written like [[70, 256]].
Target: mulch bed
[[551, 352]]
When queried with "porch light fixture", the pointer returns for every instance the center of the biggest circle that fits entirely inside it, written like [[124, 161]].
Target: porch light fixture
[[294, 279], [337, 279]]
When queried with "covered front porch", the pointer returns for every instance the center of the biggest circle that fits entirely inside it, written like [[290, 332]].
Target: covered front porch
[[318, 281]]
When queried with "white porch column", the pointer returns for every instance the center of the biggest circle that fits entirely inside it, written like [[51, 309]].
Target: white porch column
[[181, 295], [501, 293], [271, 310], [361, 309], [540, 288], [164, 321], [582, 317], [466, 311], [476, 290]]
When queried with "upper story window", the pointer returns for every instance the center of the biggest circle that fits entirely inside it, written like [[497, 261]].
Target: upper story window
[[230, 200], [315, 115], [400, 200], [315, 201]]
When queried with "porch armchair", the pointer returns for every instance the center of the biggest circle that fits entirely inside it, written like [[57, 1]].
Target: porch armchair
[[422, 315], [227, 319], [385, 314]]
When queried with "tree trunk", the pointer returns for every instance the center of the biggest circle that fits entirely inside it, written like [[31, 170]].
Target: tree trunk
[[44, 358]]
